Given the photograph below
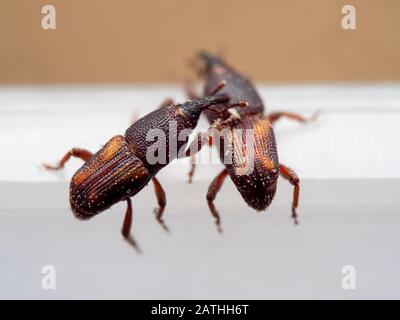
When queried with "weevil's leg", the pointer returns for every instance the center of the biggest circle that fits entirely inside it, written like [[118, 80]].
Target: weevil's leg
[[274, 116], [193, 161], [200, 140], [213, 189], [226, 107], [83, 154], [162, 201], [210, 141], [249, 113], [191, 92], [218, 87], [290, 175], [126, 227], [196, 145], [191, 151], [166, 103], [192, 167]]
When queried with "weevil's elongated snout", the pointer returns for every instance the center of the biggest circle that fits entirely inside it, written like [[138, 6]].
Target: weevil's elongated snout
[[210, 59], [111, 175], [193, 108]]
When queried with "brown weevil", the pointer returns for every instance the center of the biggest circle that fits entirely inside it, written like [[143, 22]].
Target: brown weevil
[[120, 169], [262, 168]]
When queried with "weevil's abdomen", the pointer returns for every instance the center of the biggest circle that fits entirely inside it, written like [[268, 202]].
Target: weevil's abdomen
[[111, 175], [253, 164]]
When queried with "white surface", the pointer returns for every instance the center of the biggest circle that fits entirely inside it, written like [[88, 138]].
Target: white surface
[[347, 162], [357, 135]]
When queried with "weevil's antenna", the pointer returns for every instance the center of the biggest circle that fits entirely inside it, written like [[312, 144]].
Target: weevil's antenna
[[219, 87]]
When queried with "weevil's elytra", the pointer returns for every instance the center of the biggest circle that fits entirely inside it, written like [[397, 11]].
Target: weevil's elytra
[[120, 169], [258, 187], [112, 174]]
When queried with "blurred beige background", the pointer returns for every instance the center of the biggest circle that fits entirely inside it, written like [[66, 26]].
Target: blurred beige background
[[98, 41]]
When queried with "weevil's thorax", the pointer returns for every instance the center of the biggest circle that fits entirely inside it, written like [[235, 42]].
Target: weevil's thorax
[[237, 87], [111, 175], [158, 137], [249, 153]]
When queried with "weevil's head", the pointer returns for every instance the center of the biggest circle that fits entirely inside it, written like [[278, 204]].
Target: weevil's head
[[192, 109], [111, 175], [210, 60]]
